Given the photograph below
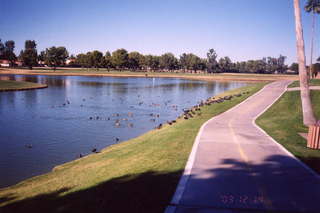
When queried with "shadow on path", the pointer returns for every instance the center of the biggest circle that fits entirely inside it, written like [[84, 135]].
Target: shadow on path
[[277, 184], [236, 185]]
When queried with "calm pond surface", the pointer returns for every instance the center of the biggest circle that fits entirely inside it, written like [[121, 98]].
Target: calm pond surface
[[46, 127]]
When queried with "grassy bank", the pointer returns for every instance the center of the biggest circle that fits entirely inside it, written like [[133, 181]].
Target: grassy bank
[[283, 121], [139, 175], [104, 72], [18, 85], [313, 82]]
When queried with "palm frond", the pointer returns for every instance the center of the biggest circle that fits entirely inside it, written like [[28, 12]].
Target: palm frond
[[312, 6]]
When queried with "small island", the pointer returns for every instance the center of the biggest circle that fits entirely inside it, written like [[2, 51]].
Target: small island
[[7, 85]]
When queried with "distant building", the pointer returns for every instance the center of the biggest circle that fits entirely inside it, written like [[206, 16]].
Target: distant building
[[70, 61], [289, 71], [41, 62], [4, 63], [19, 63]]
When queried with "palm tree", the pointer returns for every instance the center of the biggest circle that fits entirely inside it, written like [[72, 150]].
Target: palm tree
[[312, 6], [308, 114]]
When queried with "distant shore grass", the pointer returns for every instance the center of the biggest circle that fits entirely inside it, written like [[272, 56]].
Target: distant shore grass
[[6, 85], [139, 175], [283, 122], [313, 82], [193, 76]]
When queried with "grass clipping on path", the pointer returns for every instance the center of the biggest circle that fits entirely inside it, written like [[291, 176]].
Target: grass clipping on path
[[139, 175], [6, 85], [283, 121]]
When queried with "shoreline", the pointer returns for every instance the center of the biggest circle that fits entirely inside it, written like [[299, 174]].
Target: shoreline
[[242, 77], [150, 156], [215, 99]]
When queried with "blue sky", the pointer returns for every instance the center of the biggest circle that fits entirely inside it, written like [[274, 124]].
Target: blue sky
[[240, 29]]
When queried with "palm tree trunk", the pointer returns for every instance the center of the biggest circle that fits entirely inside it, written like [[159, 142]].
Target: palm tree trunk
[[312, 43], [308, 115]]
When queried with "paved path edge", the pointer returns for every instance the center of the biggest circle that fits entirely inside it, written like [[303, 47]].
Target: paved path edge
[[186, 174], [298, 88], [277, 143]]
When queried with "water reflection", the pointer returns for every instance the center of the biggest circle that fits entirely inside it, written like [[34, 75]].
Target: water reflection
[[100, 84], [77, 114]]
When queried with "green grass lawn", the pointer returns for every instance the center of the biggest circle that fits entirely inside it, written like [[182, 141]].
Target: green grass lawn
[[283, 121], [18, 85], [313, 82], [139, 175]]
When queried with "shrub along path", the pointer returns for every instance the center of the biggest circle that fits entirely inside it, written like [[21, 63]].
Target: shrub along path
[[235, 167]]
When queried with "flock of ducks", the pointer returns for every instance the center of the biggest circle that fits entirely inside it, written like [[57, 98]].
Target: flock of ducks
[[196, 110], [187, 114]]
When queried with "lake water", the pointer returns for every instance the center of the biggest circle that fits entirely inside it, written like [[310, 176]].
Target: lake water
[[42, 128]]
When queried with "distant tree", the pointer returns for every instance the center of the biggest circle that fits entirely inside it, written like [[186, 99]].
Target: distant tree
[[212, 63], [316, 70], [89, 60], [273, 65], [135, 60], [20, 56], [168, 61], [194, 62], [264, 65], [313, 7], [281, 64], [9, 52], [190, 62], [82, 60], [225, 64], [203, 64], [96, 59], [41, 56], [29, 56], [72, 57], [261, 66], [152, 62], [56, 56], [1, 50], [142, 62], [183, 61], [240, 66], [120, 58], [294, 67], [251, 66], [107, 61]]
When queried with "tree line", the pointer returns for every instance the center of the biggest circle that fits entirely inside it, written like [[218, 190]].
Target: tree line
[[121, 59], [53, 56]]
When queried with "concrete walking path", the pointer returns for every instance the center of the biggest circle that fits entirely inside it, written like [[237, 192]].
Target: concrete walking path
[[298, 88], [235, 166]]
